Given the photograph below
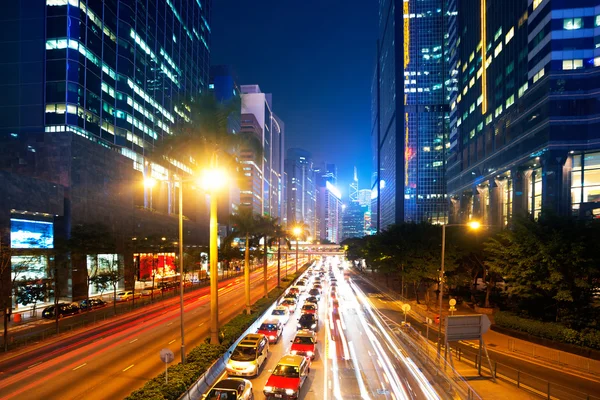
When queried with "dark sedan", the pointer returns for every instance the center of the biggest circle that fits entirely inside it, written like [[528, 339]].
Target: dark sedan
[[64, 310], [93, 304], [308, 321]]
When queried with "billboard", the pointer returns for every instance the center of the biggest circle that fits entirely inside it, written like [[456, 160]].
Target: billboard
[[29, 234]]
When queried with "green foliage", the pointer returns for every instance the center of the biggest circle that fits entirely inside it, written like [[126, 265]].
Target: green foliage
[[549, 330], [30, 293], [201, 357]]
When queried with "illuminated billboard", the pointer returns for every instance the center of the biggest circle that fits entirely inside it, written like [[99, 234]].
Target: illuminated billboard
[[28, 234]]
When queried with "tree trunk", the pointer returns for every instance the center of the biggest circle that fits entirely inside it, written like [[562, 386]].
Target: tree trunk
[[279, 263], [416, 292], [247, 274]]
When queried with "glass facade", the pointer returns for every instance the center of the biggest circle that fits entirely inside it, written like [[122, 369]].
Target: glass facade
[[585, 179], [411, 111], [120, 72]]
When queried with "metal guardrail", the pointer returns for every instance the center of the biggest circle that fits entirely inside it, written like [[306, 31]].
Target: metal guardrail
[[522, 379], [206, 380]]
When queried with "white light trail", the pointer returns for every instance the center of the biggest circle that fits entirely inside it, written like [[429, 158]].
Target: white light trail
[[361, 384]]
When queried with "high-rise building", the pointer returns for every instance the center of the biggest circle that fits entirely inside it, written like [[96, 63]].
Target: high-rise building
[[353, 220], [301, 195], [271, 132], [329, 212], [525, 137], [88, 89], [410, 104], [364, 198]]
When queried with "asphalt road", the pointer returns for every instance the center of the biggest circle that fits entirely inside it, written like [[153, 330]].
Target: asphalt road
[[111, 363], [564, 384], [353, 360]]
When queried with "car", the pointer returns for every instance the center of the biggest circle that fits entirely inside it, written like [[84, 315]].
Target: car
[[149, 291], [272, 329], [230, 388], [127, 295], [249, 356], [301, 284], [290, 303], [294, 290], [333, 284], [93, 303], [304, 344], [317, 280], [292, 295], [308, 321], [314, 292], [281, 313], [288, 378], [64, 310], [312, 299], [309, 308], [317, 286], [333, 294]]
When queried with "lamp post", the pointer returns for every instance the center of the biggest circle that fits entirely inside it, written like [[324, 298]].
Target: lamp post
[[213, 179], [473, 225], [181, 269], [297, 231]]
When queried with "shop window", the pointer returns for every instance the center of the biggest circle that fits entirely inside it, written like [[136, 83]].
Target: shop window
[[572, 64], [585, 179], [572, 23], [535, 193]]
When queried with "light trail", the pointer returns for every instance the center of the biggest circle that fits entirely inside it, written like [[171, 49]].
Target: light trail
[[361, 384]]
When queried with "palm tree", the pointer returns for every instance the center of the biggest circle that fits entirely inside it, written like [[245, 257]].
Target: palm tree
[[200, 141], [245, 224], [278, 235]]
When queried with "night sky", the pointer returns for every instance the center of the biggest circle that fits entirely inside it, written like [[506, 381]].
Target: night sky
[[317, 59]]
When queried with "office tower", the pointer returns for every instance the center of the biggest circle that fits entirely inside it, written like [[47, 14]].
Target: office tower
[[525, 138], [301, 195], [353, 220], [409, 112], [329, 212], [364, 197], [89, 88], [271, 132]]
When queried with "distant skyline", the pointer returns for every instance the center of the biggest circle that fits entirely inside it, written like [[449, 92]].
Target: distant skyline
[[317, 59]]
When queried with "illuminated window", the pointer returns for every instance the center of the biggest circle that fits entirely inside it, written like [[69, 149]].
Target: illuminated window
[[480, 127], [536, 3], [597, 20], [538, 75], [510, 101], [572, 64], [585, 179], [497, 50], [509, 35], [472, 108], [498, 111], [523, 89], [597, 62], [498, 34], [489, 119], [480, 100], [572, 23]]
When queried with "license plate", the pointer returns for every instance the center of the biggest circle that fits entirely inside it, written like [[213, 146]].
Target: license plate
[[279, 396]]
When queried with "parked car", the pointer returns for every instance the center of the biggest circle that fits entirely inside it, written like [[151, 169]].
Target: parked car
[[281, 313], [127, 295], [304, 344], [93, 303], [149, 290], [308, 321], [272, 329], [287, 378], [231, 388], [64, 310], [248, 356]]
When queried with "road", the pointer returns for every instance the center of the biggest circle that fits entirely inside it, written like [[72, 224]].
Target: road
[[565, 384], [354, 359], [111, 363]]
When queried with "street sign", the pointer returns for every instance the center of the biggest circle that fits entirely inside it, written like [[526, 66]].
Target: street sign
[[452, 302], [406, 307], [166, 356], [466, 327]]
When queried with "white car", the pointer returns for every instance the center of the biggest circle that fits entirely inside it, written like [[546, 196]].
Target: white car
[[230, 388], [282, 314]]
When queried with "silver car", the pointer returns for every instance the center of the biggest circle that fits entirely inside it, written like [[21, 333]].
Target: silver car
[[230, 388]]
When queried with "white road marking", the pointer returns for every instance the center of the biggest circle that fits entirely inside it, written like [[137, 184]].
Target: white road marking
[[33, 365], [131, 366], [82, 365], [134, 340], [172, 341]]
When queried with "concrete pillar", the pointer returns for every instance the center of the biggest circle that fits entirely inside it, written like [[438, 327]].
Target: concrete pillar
[[496, 203], [520, 178]]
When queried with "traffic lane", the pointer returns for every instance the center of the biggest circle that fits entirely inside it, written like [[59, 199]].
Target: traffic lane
[[568, 380], [313, 386], [109, 358]]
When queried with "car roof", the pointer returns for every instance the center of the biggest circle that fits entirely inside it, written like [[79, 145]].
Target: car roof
[[305, 332], [270, 321], [291, 360], [280, 308], [252, 339], [230, 383]]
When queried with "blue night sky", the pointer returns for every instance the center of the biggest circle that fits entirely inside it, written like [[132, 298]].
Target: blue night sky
[[317, 58]]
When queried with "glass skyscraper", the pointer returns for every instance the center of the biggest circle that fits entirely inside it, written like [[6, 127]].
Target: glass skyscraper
[[410, 109]]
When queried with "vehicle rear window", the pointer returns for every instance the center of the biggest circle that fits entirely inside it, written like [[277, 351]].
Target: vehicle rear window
[[268, 327], [303, 340]]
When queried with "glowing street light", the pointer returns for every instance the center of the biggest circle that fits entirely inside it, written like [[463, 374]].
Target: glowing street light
[[212, 180], [474, 225]]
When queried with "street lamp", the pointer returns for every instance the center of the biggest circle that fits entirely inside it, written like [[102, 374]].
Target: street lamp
[[297, 231], [474, 225], [213, 179]]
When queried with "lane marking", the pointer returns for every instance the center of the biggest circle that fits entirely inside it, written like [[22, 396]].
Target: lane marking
[[82, 365], [169, 324], [134, 340], [201, 324], [131, 366], [172, 341], [33, 365]]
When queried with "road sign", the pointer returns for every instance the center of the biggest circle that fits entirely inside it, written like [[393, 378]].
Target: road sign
[[466, 327], [166, 356], [452, 303], [406, 307]]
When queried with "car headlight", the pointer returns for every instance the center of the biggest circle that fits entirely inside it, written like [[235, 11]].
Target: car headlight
[[313, 326], [309, 353], [290, 392], [268, 388], [299, 326], [294, 352], [271, 337]]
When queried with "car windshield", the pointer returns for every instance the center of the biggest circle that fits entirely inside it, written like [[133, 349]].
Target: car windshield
[[308, 307], [314, 291], [303, 340], [222, 394], [243, 354], [268, 327], [278, 312], [307, 319], [287, 371]]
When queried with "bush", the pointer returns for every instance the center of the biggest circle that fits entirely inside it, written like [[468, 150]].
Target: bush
[[549, 330], [181, 377]]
